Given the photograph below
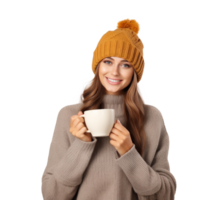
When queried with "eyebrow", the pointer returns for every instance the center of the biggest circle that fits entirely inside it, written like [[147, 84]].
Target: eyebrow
[[121, 60]]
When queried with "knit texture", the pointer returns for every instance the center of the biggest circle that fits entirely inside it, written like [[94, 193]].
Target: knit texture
[[78, 170]]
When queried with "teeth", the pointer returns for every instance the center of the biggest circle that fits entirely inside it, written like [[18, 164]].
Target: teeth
[[113, 80]]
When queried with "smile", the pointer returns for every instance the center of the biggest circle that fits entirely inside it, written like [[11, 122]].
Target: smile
[[113, 82]]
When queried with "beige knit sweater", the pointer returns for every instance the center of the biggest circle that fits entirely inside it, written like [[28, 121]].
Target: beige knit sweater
[[78, 170]]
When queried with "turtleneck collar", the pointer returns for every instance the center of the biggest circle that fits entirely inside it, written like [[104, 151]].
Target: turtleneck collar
[[109, 100], [114, 102]]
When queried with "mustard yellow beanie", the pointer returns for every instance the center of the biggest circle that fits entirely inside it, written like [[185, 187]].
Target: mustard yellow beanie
[[123, 42]]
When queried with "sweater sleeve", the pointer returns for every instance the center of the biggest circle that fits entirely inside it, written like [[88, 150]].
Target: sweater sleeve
[[66, 163], [150, 182]]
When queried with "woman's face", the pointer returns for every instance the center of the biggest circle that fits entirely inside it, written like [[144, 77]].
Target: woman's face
[[115, 68]]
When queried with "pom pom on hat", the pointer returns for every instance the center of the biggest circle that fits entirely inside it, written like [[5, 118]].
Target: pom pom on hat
[[132, 24]]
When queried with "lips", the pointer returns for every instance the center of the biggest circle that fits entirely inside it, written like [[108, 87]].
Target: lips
[[114, 79]]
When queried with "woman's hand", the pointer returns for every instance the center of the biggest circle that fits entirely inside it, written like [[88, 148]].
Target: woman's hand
[[78, 128], [120, 138]]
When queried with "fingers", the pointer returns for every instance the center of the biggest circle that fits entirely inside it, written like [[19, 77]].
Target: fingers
[[80, 133], [77, 130], [77, 125], [74, 117], [81, 118], [80, 112]]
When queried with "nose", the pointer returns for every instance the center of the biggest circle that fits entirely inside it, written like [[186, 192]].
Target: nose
[[115, 70]]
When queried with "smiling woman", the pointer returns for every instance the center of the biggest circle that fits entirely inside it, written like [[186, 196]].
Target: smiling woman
[[115, 74], [132, 163]]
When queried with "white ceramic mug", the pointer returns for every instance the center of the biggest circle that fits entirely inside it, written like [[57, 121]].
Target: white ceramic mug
[[99, 121]]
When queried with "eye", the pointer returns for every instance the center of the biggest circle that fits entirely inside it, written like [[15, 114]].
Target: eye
[[123, 64], [106, 61], [127, 65]]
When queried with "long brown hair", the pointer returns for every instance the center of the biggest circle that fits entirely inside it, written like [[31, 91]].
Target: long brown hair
[[133, 107]]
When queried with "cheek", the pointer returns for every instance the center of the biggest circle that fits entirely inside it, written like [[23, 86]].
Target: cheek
[[103, 70], [127, 77]]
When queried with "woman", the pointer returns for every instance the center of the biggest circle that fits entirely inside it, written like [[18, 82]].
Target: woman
[[132, 163]]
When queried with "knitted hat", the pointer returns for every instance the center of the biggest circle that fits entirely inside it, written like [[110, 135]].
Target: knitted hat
[[123, 42]]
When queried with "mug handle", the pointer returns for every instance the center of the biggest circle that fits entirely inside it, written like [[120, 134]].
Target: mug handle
[[84, 116]]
